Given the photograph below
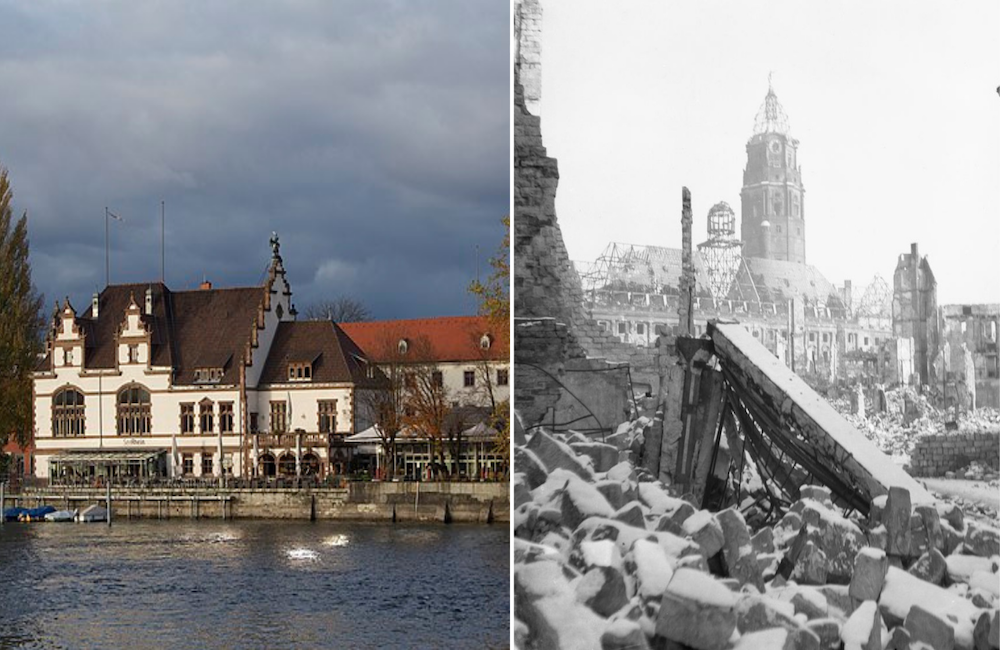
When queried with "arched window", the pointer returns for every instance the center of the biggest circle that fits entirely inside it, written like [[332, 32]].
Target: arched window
[[133, 411], [266, 465], [68, 418], [286, 464], [310, 464]]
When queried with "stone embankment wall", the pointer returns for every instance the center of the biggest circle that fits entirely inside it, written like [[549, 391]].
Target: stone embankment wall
[[937, 453], [451, 502]]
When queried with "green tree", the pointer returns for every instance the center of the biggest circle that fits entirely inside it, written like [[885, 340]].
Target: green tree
[[494, 304], [21, 323]]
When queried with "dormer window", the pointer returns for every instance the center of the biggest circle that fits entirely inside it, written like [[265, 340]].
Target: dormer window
[[133, 353], [207, 375], [300, 371], [403, 346], [485, 342], [67, 356]]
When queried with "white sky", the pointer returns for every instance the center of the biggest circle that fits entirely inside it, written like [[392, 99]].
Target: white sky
[[894, 104]]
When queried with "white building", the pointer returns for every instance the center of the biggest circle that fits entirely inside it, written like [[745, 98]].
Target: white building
[[154, 382]]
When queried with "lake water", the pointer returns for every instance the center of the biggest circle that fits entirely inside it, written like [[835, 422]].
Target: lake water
[[253, 584]]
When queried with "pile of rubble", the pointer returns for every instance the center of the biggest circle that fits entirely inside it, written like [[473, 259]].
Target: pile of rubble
[[608, 558]]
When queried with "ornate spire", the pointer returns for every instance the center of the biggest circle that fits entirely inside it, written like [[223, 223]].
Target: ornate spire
[[771, 117]]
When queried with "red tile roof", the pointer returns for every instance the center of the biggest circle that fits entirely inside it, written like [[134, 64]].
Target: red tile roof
[[450, 338]]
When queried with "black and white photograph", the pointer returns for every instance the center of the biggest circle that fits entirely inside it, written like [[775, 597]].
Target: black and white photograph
[[756, 302]]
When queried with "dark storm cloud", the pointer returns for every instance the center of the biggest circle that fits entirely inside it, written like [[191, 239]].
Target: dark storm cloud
[[372, 136]]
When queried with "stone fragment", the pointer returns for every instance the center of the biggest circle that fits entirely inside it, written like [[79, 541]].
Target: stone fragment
[[952, 514], [927, 627], [839, 603], [897, 521], [980, 597], [768, 564], [613, 492], [870, 566], [651, 568], [697, 611], [704, 529], [918, 536], [961, 568], [840, 539], [631, 514], [603, 456], [667, 523], [903, 591], [603, 590], [952, 538], [932, 524], [827, 630], [527, 463], [810, 602], [777, 638], [737, 551], [816, 492], [555, 454], [588, 555], [878, 537], [899, 639], [986, 580], [763, 540], [522, 491], [756, 612], [930, 566], [865, 630], [811, 567], [623, 634], [545, 602], [981, 540], [876, 514], [994, 636], [622, 472]]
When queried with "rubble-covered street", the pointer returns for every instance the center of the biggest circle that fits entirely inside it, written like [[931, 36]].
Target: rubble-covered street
[[607, 557]]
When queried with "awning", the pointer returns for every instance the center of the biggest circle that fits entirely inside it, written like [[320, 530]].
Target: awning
[[107, 456]]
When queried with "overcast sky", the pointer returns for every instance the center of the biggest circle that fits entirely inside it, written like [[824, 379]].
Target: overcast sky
[[894, 104], [372, 136]]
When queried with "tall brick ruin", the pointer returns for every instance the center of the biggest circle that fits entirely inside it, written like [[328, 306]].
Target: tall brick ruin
[[914, 310]]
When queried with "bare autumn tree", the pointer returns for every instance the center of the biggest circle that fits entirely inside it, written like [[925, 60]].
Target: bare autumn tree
[[428, 407], [494, 304], [21, 323], [344, 309], [385, 405]]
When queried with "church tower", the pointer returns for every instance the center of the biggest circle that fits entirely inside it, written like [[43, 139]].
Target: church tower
[[772, 224]]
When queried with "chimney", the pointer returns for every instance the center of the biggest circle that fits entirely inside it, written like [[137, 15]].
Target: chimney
[[205, 285], [847, 294], [149, 301], [914, 252], [95, 303]]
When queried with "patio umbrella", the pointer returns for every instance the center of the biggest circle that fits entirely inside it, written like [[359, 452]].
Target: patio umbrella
[[217, 465], [298, 454], [255, 456], [175, 456]]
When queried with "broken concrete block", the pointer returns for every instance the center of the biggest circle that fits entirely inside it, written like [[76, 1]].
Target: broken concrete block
[[522, 491], [622, 472], [952, 514], [668, 524], [840, 539], [598, 528], [555, 454], [704, 529], [980, 597], [870, 565], [757, 612], [897, 521], [816, 492], [546, 603], [878, 537], [927, 627], [960, 568], [763, 540], [827, 630], [527, 463], [624, 634], [697, 611], [603, 590], [612, 491], [652, 569], [737, 551], [899, 639], [952, 538], [811, 566], [603, 456], [659, 502], [902, 591], [919, 542], [525, 551], [930, 566], [932, 525], [631, 514], [986, 580], [994, 636], [777, 638], [865, 630], [876, 513], [839, 603], [768, 564], [981, 540]]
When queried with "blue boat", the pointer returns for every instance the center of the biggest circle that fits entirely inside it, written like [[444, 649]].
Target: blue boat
[[36, 514], [11, 514]]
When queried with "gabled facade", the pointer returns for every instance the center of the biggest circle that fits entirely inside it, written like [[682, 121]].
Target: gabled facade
[[474, 360], [153, 382]]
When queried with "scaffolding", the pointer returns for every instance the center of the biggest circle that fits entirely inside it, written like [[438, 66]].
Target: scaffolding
[[876, 299], [722, 254]]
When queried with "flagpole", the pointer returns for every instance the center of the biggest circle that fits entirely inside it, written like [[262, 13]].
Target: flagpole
[[107, 251], [163, 210]]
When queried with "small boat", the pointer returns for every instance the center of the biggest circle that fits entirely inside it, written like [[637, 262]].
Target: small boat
[[93, 513], [13, 514], [36, 514], [61, 515]]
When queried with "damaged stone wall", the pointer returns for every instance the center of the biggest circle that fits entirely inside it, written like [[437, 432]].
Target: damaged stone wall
[[935, 454], [914, 310], [967, 365]]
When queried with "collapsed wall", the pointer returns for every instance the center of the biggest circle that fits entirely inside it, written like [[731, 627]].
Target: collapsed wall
[[937, 453]]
